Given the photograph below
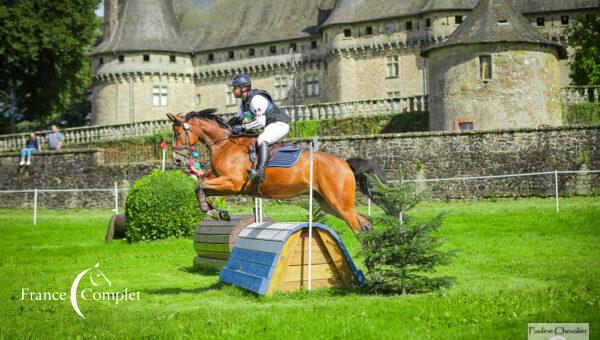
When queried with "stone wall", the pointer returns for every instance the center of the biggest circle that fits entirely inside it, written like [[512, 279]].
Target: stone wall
[[72, 169], [479, 153], [419, 155]]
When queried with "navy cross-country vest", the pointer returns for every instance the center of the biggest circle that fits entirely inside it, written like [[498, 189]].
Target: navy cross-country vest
[[273, 114]]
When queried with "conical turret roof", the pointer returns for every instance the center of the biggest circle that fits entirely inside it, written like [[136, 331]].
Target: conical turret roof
[[145, 25], [495, 21]]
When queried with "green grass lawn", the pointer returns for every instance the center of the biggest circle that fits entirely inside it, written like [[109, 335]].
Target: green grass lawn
[[521, 262]]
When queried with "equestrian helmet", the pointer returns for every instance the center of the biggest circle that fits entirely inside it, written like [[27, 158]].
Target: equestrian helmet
[[241, 80]]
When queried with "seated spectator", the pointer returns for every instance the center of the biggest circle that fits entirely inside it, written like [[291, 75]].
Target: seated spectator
[[54, 139], [194, 167], [32, 145]]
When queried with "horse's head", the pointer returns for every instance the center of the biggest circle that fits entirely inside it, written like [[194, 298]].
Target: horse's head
[[197, 126]]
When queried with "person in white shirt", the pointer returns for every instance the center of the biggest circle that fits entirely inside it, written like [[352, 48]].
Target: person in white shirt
[[258, 110]]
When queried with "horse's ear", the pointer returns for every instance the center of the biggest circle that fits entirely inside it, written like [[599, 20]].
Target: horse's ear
[[172, 117]]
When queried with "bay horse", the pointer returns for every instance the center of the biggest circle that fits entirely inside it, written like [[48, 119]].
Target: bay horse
[[334, 180]]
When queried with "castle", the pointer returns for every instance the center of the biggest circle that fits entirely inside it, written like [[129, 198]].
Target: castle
[[483, 64]]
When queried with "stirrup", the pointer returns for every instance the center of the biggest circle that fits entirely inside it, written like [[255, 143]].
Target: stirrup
[[254, 175]]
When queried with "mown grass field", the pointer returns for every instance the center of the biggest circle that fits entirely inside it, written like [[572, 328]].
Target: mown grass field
[[521, 262]]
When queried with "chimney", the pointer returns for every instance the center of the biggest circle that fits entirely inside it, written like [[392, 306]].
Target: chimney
[[111, 18]]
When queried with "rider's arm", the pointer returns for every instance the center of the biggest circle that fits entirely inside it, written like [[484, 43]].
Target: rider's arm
[[258, 106]]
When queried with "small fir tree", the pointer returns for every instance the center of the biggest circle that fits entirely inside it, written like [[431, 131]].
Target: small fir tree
[[400, 252]]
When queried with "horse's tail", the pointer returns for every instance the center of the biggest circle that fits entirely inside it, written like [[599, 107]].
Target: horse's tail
[[361, 168]]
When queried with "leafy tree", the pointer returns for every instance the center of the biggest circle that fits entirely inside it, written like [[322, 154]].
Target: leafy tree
[[401, 251], [44, 57], [583, 35]]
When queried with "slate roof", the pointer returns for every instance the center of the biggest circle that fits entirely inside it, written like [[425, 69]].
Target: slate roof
[[349, 11], [148, 25], [220, 24], [495, 21], [202, 25]]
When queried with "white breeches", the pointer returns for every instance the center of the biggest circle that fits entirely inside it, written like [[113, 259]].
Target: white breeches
[[274, 132]]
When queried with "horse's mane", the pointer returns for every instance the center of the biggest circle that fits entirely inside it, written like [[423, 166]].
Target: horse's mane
[[208, 114]]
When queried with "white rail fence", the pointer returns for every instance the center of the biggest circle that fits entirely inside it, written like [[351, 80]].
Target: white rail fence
[[116, 190]]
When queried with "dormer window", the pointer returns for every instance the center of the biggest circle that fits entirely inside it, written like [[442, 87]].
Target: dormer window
[[251, 52], [172, 58], [211, 57], [146, 58], [347, 32], [121, 58], [231, 54], [369, 30], [541, 21], [273, 49], [458, 19]]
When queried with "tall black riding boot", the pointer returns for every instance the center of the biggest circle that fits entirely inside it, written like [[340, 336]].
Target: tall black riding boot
[[258, 174]]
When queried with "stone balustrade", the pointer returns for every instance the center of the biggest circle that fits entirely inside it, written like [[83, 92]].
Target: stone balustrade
[[578, 94], [339, 110]]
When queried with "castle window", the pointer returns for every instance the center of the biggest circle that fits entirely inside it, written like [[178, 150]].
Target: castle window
[[347, 32], [231, 54], [541, 21], [159, 95], [251, 52], [502, 21], [428, 22], [485, 67], [313, 87], [458, 19], [281, 88], [146, 58], [273, 49], [369, 30], [313, 44], [293, 47], [121, 58], [172, 58], [101, 61], [211, 57], [229, 97], [409, 25], [392, 67], [198, 99], [466, 126], [564, 20]]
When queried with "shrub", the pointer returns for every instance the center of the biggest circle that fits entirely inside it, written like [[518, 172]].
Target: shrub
[[160, 205], [401, 252]]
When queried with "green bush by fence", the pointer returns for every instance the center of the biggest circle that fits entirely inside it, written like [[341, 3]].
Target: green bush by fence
[[161, 205]]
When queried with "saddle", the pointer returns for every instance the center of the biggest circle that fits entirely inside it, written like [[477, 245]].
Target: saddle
[[282, 155]]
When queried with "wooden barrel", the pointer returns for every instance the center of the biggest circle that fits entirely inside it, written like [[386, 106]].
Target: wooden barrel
[[116, 228], [214, 239]]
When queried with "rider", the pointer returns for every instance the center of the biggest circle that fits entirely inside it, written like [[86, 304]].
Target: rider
[[258, 107]]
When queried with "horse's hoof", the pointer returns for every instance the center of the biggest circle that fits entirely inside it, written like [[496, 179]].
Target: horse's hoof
[[224, 215], [214, 214]]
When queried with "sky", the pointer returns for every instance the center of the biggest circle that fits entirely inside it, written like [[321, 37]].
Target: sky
[[100, 9]]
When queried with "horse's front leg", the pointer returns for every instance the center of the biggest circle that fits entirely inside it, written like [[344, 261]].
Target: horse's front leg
[[214, 187]]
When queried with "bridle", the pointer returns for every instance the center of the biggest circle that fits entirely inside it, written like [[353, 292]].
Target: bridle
[[188, 146]]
